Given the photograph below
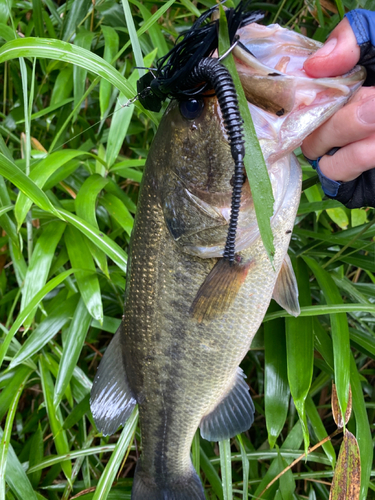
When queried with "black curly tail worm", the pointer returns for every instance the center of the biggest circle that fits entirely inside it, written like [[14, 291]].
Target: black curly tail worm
[[212, 71]]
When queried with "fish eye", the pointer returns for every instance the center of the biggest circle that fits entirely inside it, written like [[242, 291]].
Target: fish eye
[[192, 108]]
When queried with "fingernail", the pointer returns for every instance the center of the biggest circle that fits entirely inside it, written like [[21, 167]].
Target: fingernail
[[366, 112], [326, 49]]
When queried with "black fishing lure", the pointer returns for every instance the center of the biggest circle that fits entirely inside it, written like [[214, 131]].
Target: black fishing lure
[[189, 70]]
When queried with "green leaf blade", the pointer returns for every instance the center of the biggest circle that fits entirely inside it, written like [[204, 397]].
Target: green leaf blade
[[255, 165], [40, 264], [340, 333], [54, 415], [300, 350], [277, 392], [86, 277], [72, 349]]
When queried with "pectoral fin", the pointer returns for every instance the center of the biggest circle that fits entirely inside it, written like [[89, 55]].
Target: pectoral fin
[[286, 290], [219, 289], [233, 415], [112, 400]]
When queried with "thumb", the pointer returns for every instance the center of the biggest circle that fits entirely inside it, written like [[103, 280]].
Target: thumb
[[337, 56]]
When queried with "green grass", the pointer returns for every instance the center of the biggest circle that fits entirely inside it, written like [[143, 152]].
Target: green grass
[[71, 159]]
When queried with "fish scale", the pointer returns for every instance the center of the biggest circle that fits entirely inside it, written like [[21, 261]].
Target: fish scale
[[179, 365]]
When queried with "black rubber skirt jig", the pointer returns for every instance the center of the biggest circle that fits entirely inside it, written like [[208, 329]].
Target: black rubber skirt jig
[[212, 71], [187, 72]]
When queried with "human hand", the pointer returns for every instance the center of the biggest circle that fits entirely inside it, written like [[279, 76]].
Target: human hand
[[352, 128]]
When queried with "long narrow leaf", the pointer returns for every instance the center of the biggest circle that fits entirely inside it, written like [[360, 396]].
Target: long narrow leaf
[[102, 241], [133, 38], [106, 480], [226, 468], [292, 441], [7, 394], [300, 349], [118, 211], [10, 171], [340, 333], [87, 279], [324, 309], [5, 440], [245, 468], [40, 174], [85, 204], [54, 415], [46, 330], [111, 41], [51, 285], [363, 431], [40, 264], [255, 165], [72, 349], [16, 476], [63, 51], [276, 388], [319, 429]]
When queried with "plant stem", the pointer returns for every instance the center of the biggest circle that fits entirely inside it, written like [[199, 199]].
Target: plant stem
[[310, 450]]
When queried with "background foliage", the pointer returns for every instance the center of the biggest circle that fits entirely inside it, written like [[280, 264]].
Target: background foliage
[[71, 160]]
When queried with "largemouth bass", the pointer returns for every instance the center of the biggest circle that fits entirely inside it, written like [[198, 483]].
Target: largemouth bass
[[180, 366]]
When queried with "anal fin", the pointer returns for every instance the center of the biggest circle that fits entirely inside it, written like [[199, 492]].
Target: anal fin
[[219, 289], [286, 289], [233, 415], [112, 400]]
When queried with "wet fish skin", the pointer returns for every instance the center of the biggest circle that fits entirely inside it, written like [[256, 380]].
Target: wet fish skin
[[184, 372], [178, 368]]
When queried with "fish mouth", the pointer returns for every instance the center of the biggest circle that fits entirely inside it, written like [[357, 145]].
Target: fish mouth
[[285, 103], [269, 62]]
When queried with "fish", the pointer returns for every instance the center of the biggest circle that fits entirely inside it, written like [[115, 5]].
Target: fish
[[179, 364]]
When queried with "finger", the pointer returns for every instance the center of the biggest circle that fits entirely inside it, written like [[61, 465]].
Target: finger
[[362, 94], [337, 56], [352, 123], [349, 162]]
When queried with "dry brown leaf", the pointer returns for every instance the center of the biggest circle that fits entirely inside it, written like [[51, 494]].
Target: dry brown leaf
[[35, 144], [336, 412], [327, 5], [346, 483]]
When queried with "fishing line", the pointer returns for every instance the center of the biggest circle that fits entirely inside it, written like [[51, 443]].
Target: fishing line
[[145, 94], [126, 105]]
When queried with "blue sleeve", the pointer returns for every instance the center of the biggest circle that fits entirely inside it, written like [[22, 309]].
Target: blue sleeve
[[362, 23], [329, 186], [359, 192]]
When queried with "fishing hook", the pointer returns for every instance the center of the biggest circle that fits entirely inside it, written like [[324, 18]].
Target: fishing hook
[[236, 40]]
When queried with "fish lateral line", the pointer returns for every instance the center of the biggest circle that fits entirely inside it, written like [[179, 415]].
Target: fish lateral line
[[220, 288]]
